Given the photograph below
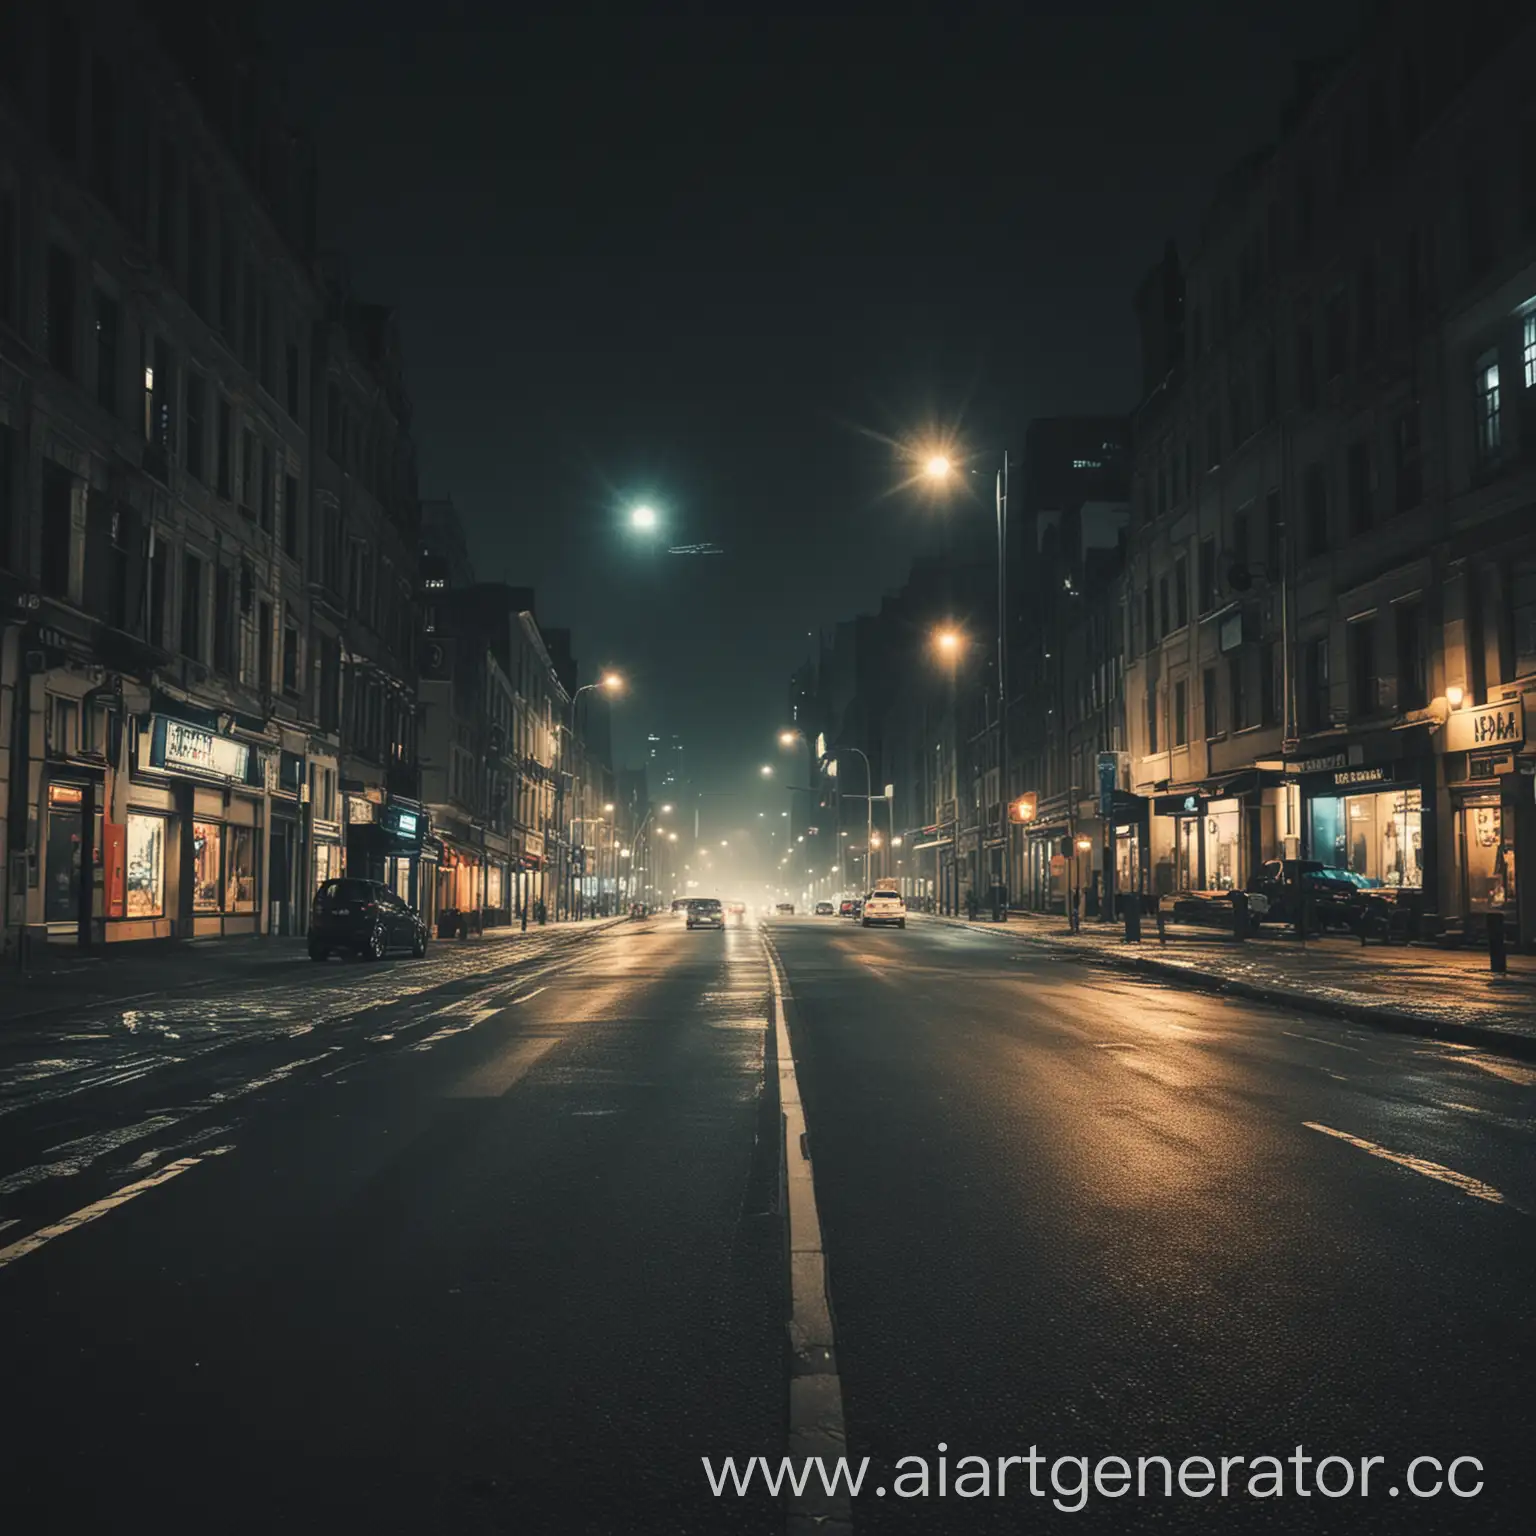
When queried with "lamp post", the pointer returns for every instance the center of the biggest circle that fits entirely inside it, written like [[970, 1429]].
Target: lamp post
[[939, 468], [869, 808], [611, 682]]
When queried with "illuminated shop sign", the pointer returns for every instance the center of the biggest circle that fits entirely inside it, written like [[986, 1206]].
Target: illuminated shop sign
[[179, 747]]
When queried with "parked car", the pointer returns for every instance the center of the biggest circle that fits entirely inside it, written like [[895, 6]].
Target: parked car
[[705, 912], [1339, 898], [363, 918], [883, 907], [845, 908], [825, 909]]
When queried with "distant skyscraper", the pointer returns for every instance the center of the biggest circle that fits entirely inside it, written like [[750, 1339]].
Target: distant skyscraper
[[666, 769]]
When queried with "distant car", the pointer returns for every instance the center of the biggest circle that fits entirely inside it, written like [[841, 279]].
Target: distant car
[[845, 907], [680, 907], [705, 912], [363, 918], [785, 909], [884, 907], [736, 910], [825, 909]]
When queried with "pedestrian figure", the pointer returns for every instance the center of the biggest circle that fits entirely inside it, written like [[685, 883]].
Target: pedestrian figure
[[971, 904]]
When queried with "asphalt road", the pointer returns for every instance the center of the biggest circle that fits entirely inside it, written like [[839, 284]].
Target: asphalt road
[[472, 1246]]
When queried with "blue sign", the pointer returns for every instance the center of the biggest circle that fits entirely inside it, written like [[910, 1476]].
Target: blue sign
[[1109, 773]]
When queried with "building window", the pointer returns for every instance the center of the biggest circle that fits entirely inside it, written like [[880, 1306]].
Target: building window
[[1180, 714], [1152, 719], [106, 351], [1149, 623], [223, 621], [290, 659], [192, 607], [1360, 489], [1364, 680], [165, 222], [1207, 572], [159, 593], [60, 313], [1164, 608], [1489, 425], [58, 528], [207, 851], [248, 472], [1210, 690], [223, 449], [144, 858], [291, 516], [1412, 684], [1314, 683], [197, 425], [1528, 348], [197, 248], [1336, 334], [63, 85], [1269, 663], [1181, 590], [1306, 369], [1237, 693], [264, 647], [1314, 492], [1408, 463]]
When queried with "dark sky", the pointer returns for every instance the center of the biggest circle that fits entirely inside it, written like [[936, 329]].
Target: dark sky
[[712, 262]]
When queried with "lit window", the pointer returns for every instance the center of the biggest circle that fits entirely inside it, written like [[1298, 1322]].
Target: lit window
[[1530, 350], [435, 583], [1488, 428]]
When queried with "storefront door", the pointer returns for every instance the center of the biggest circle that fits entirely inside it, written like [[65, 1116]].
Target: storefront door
[[1487, 857]]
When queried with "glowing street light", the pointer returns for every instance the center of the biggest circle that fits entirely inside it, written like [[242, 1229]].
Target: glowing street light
[[671, 837], [666, 810], [766, 770], [724, 843], [643, 518], [938, 467], [948, 641]]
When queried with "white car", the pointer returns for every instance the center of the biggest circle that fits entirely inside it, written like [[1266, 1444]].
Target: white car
[[884, 907]]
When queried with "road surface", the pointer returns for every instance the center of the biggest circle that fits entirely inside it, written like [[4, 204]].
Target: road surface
[[480, 1246]]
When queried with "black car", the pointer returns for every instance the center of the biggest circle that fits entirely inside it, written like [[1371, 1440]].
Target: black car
[[365, 919], [705, 912], [1337, 897]]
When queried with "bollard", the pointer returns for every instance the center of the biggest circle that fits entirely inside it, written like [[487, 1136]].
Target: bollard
[[1162, 923], [1132, 918], [1498, 960], [1240, 915]]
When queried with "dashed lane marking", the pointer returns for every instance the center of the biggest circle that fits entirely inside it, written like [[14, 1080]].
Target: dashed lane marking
[[1437, 1171], [99, 1208]]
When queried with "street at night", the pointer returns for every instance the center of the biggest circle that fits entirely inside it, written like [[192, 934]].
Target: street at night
[[500, 1247]]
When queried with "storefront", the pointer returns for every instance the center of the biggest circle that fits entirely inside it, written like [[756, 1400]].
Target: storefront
[[1489, 795], [1370, 820], [192, 835], [392, 843]]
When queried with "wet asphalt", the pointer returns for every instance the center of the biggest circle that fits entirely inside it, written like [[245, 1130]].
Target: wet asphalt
[[461, 1248]]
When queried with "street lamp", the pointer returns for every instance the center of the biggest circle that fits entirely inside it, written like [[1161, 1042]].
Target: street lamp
[[643, 518], [942, 470], [766, 770], [609, 682]]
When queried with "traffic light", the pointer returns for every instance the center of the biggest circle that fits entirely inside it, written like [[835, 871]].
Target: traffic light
[[1023, 809]]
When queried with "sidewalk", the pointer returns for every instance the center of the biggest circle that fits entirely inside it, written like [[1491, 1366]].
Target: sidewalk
[[1447, 994], [63, 980]]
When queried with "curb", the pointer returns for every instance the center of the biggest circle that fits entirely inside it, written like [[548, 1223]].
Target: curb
[[1393, 1020]]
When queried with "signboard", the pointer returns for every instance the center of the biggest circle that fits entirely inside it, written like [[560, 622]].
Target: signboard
[[1489, 725], [1318, 764], [1179, 805], [177, 746], [1350, 776], [1109, 769]]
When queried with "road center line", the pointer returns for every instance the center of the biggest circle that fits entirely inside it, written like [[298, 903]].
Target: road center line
[[816, 1426], [1462, 1181], [99, 1208]]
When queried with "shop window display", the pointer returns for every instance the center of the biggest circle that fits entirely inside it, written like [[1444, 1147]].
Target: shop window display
[[1489, 852], [144, 846], [207, 853], [240, 876], [1380, 836]]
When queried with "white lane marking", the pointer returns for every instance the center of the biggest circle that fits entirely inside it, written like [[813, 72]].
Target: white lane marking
[[256, 1084], [816, 1423], [1316, 1040], [1438, 1171], [466, 1022], [528, 996], [74, 1157], [88, 1213], [10, 1221]]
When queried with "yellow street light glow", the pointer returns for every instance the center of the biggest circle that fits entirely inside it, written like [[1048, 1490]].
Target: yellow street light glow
[[766, 770], [612, 681], [947, 640], [666, 810], [1454, 696], [787, 738], [643, 518], [938, 467], [609, 807], [672, 837]]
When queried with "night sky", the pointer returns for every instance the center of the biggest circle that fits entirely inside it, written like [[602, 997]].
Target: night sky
[[719, 263]]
